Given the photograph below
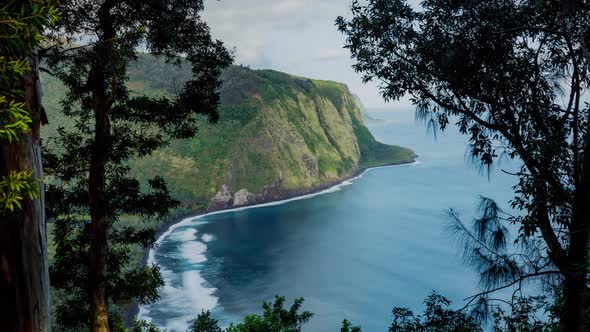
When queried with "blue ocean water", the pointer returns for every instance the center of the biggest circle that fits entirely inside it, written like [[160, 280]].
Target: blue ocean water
[[353, 252]]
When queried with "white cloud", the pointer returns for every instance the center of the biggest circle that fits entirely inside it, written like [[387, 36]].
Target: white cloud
[[294, 36], [254, 26], [332, 53]]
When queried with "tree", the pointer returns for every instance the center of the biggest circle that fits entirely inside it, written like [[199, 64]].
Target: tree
[[522, 317], [275, 318], [510, 75], [519, 315], [24, 279], [436, 318], [143, 326], [91, 187], [205, 323], [347, 327]]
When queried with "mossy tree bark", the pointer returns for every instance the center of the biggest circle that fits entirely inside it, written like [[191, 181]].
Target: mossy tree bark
[[24, 278]]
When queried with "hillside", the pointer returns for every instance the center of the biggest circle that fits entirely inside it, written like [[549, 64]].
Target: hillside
[[278, 136]]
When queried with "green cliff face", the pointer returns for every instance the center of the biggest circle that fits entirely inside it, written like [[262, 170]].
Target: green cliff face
[[278, 135]]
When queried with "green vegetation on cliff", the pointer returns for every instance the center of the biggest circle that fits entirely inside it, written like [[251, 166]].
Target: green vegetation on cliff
[[278, 135]]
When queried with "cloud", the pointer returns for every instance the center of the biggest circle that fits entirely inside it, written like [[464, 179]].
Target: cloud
[[295, 36], [254, 26], [332, 53]]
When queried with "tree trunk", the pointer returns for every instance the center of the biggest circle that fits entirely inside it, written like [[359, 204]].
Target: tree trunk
[[98, 262], [575, 307], [97, 181], [576, 288], [24, 275], [98, 229], [99, 209]]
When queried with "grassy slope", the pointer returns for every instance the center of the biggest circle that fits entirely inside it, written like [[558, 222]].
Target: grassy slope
[[270, 123], [273, 128]]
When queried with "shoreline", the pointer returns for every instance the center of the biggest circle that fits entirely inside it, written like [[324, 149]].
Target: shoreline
[[176, 221]]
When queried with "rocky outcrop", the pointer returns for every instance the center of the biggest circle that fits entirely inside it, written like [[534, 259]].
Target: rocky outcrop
[[222, 199], [243, 197]]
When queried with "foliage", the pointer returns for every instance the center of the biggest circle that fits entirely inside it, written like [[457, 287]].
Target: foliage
[[143, 326], [436, 318], [522, 317], [22, 22], [14, 119], [14, 116], [275, 318], [21, 26], [108, 126], [510, 75], [205, 323], [347, 327], [14, 188], [70, 267]]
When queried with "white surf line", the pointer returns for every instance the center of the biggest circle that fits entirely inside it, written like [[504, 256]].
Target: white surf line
[[144, 313], [188, 220]]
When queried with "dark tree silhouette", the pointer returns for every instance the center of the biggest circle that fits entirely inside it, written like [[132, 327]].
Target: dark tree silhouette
[[91, 187], [510, 75], [205, 323], [437, 317], [347, 327], [275, 317], [24, 279]]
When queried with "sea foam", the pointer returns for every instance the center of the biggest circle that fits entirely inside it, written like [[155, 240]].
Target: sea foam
[[194, 294]]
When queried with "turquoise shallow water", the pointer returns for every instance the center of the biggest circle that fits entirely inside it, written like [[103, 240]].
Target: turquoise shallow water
[[353, 252]]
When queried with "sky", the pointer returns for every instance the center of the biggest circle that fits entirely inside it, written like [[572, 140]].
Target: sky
[[298, 37]]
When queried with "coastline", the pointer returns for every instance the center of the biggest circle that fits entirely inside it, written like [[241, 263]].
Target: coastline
[[177, 220]]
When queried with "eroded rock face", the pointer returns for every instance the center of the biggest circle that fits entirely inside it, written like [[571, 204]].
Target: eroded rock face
[[223, 199], [310, 164], [243, 197]]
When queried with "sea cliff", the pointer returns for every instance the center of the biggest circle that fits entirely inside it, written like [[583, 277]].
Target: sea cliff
[[278, 136]]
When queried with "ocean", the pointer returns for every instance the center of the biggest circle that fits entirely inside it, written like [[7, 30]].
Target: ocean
[[353, 251]]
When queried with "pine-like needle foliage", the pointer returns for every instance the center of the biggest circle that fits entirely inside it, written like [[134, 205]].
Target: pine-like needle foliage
[[511, 76], [502, 264]]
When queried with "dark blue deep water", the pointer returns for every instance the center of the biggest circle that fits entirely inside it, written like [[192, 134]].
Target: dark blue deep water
[[354, 252]]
